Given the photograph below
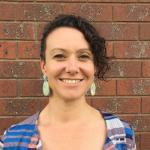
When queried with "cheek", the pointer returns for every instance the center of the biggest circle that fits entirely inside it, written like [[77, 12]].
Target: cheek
[[54, 69], [89, 70]]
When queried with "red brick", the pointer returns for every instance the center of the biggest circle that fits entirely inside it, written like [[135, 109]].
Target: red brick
[[7, 11], [132, 49], [20, 0], [26, 12], [109, 49], [8, 69], [40, 29], [39, 12], [13, 31], [143, 1], [129, 105], [146, 105], [46, 11], [138, 141], [29, 69], [30, 88], [122, 1], [8, 121], [92, 12], [104, 104], [15, 107], [131, 12], [140, 123], [105, 88], [8, 88], [146, 68], [133, 87], [117, 105], [118, 31], [145, 138], [8, 50], [28, 50], [125, 69], [144, 31], [20, 69]]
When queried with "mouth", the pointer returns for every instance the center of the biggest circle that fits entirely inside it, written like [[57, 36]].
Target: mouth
[[71, 81]]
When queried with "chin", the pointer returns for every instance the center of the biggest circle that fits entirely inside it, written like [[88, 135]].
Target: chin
[[72, 97]]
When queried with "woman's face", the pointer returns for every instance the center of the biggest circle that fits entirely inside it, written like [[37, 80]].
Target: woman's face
[[69, 63]]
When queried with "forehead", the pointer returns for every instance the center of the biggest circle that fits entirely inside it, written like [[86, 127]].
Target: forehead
[[67, 38]]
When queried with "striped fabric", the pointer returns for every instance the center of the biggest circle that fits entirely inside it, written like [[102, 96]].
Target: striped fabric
[[25, 136]]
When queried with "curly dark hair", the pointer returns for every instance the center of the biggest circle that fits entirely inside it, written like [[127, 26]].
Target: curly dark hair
[[96, 42]]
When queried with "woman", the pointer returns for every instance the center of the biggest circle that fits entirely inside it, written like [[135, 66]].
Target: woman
[[72, 55]]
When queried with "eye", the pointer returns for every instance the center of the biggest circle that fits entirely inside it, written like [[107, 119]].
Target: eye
[[84, 56], [59, 56]]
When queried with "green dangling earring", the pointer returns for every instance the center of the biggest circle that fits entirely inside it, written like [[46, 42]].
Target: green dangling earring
[[46, 89], [93, 89]]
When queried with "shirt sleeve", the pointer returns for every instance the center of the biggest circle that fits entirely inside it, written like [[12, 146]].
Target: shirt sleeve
[[130, 137], [1, 144], [1, 141]]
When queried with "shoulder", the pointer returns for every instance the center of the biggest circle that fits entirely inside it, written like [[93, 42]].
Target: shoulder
[[20, 133], [27, 124], [114, 123], [119, 132]]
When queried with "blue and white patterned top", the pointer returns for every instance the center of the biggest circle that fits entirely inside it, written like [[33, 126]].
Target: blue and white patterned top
[[25, 135]]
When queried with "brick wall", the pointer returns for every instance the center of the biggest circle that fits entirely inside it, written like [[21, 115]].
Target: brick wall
[[126, 26]]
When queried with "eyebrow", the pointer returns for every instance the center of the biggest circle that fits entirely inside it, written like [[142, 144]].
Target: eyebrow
[[61, 49], [56, 49]]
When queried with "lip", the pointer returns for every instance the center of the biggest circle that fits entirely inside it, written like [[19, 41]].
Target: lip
[[70, 79], [70, 84]]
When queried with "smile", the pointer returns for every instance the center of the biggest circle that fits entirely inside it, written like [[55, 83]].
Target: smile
[[71, 81]]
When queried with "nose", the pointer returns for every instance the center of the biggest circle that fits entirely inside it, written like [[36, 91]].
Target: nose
[[72, 66]]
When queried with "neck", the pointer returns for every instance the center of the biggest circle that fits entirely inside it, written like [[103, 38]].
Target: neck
[[59, 111]]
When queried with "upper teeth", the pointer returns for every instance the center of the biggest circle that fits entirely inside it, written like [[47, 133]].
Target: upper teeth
[[71, 81]]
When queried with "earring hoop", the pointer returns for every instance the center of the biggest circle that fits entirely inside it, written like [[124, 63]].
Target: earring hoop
[[45, 88], [93, 89]]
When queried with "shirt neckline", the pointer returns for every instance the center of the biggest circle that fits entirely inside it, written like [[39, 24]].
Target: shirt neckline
[[39, 143]]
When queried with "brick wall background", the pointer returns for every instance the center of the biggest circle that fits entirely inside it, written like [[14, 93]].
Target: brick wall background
[[126, 26]]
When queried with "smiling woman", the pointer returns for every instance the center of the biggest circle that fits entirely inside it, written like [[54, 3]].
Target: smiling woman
[[72, 56], [68, 64]]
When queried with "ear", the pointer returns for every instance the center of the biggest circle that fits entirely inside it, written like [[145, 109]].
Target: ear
[[43, 67]]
